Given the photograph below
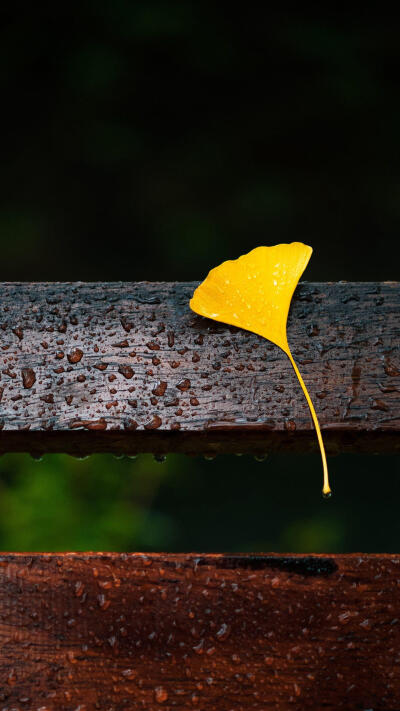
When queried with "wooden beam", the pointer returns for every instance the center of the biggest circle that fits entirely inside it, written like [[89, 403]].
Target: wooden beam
[[129, 368], [215, 632]]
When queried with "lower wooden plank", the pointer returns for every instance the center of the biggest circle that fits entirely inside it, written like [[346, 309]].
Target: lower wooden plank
[[228, 632]]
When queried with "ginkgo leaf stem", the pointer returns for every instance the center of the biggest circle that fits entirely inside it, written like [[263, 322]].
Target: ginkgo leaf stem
[[326, 490]]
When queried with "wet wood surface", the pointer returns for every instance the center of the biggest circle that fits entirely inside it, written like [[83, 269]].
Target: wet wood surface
[[218, 632], [130, 368]]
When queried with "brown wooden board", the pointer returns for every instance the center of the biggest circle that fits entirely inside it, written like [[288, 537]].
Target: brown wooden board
[[211, 632], [129, 368]]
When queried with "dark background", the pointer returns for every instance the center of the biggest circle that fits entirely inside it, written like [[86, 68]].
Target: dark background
[[152, 140]]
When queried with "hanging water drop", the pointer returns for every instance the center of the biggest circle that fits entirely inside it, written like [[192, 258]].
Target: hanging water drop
[[260, 457]]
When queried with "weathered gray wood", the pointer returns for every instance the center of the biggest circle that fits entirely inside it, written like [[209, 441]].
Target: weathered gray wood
[[129, 367]]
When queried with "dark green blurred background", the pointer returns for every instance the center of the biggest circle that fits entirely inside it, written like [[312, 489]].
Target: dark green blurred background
[[151, 140]]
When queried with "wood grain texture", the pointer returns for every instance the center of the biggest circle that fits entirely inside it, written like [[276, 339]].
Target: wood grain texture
[[129, 368], [213, 632]]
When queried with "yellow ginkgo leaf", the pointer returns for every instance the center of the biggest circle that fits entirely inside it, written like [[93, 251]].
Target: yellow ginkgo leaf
[[254, 292]]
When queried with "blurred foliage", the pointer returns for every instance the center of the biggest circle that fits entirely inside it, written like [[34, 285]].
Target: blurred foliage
[[151, 140], [229, 504]]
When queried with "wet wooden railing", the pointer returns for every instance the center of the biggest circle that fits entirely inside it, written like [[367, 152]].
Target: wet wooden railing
[[129, 368]]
